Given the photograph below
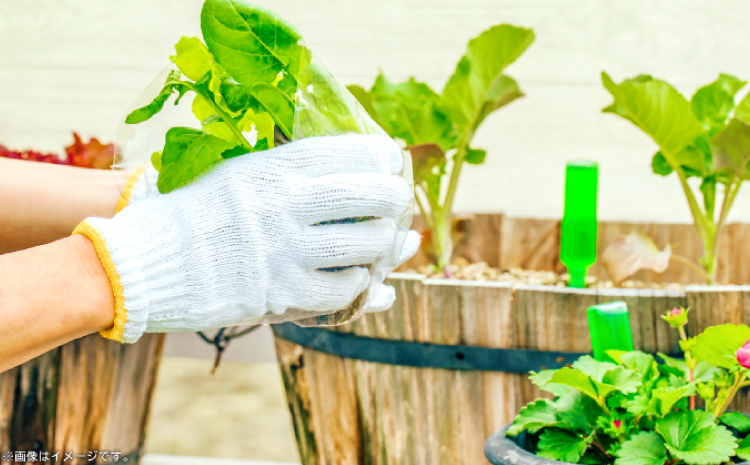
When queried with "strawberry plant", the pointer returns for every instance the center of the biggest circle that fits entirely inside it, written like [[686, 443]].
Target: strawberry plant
[[640, 412], [438, 128], [254, 85], [707, 138]]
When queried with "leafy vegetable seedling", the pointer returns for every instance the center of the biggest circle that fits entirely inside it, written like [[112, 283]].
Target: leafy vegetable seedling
[[437, 128], [252, 73], [637, 411], [707, 138]]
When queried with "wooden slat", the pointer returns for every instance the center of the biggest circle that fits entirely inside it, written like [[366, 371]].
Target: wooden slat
[[90, 394]]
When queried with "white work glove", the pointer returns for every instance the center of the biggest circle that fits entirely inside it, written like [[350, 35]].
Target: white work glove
[[240, 242], [141, 184]]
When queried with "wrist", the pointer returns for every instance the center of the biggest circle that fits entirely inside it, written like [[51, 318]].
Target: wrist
[[91, 279]]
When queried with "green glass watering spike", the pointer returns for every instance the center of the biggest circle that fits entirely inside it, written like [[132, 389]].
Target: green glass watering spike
[[579, 225], [609, 327]]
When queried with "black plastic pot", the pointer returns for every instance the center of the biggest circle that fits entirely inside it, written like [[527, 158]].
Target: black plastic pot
[[502, 450]]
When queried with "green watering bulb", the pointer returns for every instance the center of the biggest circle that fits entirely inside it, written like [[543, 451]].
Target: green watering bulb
[[609, 327], [579, 225]]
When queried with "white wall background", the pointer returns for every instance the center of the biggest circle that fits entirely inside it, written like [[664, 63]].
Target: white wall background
[[78, 64]]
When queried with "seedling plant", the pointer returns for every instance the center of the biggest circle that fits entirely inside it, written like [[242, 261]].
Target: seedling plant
[[706, 138], [438, 128], [636, 411]]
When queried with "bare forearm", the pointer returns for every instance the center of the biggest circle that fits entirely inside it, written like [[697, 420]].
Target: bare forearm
[[50, 295], [40, 203]]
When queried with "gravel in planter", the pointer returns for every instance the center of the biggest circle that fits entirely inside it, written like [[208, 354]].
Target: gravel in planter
[[481, 271]]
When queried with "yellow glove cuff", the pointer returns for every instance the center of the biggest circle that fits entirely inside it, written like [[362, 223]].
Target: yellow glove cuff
[[121, 314], [127, 192]]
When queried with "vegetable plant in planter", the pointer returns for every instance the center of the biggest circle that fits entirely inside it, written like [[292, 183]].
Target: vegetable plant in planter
[[438, 128], [707, 138], [640, 412]]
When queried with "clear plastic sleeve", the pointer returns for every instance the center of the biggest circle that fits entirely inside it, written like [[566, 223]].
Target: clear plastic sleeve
[[323, 106]]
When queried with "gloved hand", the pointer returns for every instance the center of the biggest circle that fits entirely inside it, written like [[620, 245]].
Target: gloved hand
[[240, 242]]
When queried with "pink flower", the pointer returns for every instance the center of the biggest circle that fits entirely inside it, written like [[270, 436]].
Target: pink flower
[[675, 312], [618, 423], [743, 355]]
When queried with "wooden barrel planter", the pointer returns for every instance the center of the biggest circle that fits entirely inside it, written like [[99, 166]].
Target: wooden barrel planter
[[429, 380], [92, 394]]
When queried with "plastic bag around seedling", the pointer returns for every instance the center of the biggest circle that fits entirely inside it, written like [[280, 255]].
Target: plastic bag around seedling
[[251, 83]]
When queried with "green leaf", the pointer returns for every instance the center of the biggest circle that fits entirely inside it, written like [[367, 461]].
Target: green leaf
[[325, 107], [533, 417], [644, 448], [737, 421], [577, 411], [659, 111], [541, 379], [624, 380], [717, 344], [187, 154], [145, 113], [365, 99], [235, 94], [660, 166], [704, 371], [252, 43], [278, 105], [478, 87], [713, 102], [558, 444], [743, 449], [695, 438], [475, 156], [731, 148], [640, 362], [582, 382], [211, 121], [156, 160], [192, 58], [664, 398], [409, 111], [591, 367]]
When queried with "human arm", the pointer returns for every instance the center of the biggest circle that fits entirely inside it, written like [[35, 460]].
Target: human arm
[[41, 203], [50, 295]]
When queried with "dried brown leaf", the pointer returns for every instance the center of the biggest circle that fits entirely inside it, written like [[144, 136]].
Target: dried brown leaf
[[627, 255]]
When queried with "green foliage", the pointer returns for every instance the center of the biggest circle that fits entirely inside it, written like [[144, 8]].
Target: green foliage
[[717, 345], [245, 76], [707, 137], [640, 412], [436, 127]]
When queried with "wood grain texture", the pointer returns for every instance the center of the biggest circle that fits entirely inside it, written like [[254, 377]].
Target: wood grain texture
[[90, 394], [358, 412]]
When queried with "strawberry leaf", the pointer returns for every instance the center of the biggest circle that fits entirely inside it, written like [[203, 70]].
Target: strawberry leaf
[[695, 438], [534, 417], [644, 448], [562, 445], [717, 344], [737, 421]]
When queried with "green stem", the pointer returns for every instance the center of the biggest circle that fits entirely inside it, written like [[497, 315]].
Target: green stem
[[720, 409], [706, 228], [690, 363], [224, 117], [693, 266], [427, 216]]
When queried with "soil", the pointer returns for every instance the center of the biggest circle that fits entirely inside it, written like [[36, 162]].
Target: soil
[[462, 269]]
